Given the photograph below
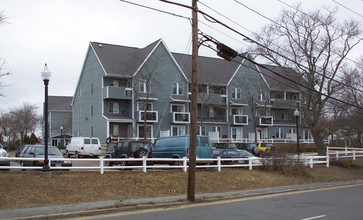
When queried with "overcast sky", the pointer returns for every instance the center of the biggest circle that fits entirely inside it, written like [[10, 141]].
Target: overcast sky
[[58, 32]]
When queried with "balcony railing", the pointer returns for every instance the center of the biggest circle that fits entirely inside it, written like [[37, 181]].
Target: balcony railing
[[266, 121], [181, 117], [240, 120], [112, 92], [151, 116]]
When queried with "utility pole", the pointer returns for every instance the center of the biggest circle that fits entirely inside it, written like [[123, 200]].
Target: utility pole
[[194, 105]]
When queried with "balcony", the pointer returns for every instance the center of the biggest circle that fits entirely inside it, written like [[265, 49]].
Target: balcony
[[151, 116], [112, 92], [214, 99], [240, 119], [266, 121], [181, 117]]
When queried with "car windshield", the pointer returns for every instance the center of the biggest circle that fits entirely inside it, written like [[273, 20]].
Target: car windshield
[[230, 153], [136, 145], [51, 151]]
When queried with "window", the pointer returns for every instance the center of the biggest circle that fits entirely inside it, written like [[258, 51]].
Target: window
[[236, 111], [91, 131], [211, 112], [261, 95], [114, 83], [113, 107], [279, 133], [91, 89], [91, 110], [177, 88], [204, 142], [142, 131], [201, 130], [141, 106], [114, 130], [80, 92], [217, 129], [177, 108], [79, 112], [236, 93], [177, 130], [143, 87]]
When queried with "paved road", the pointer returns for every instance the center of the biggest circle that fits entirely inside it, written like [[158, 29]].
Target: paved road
[[343, 202]]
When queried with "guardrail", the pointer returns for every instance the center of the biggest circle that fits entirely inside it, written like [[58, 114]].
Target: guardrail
[[344, 152], [162, 163]]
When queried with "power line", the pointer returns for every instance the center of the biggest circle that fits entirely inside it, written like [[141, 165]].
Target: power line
[[348, 8], [284, 77]]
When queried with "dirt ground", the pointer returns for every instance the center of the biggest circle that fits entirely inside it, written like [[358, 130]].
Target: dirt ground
[[30, 189]]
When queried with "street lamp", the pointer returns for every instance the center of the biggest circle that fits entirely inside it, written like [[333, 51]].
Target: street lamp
[[297, 113], [46, 74], [61, 128]]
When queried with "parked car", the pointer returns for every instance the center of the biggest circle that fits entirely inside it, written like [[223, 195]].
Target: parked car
[[227, 153], [178, 147], [38, 151], [84, 147], [21, 150], [246, 154], [3, 154], [129, 149]]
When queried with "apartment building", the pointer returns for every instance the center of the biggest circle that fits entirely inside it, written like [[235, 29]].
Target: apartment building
[[128, 92]]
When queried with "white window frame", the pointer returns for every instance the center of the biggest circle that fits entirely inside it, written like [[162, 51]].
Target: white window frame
[[143, 87], [178, 105], [217, 129], [115, 106], [177, 88], [236, 94], [180, 130], [147, 105]]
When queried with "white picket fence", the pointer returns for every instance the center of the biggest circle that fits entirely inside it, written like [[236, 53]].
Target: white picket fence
[[333, 153], [163, 163], [344, 152]]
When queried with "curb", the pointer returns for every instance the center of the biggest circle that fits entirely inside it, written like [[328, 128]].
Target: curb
[[113, 206]]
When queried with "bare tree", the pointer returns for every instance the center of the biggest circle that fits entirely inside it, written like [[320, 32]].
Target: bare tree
[[6, 125], [149, 78], [316, 46], [2, 73], [25, 120]]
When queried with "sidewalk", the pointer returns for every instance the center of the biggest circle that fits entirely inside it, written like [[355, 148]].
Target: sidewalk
[[93, 208]]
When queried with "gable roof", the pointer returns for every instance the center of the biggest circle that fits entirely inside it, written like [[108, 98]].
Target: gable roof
[[210, 70], [277, 82], [121, 60], [60, 103]]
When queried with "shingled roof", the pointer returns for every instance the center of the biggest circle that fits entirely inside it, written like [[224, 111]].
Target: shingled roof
[[121, 60], [60, 103], [125, 61]]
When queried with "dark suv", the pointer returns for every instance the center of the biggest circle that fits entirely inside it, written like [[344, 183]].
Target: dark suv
[[127, 149]]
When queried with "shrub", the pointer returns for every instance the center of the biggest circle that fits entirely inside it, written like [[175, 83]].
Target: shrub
[[285, 164]]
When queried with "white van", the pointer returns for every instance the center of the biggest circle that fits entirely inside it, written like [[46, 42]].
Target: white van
[[84, 146]]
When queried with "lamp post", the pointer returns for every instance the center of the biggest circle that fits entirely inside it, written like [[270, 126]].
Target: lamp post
[[46, 74], [297, 113], [61, 128]]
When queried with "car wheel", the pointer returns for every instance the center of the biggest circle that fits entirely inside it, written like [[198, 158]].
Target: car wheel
[[108, 163], [123, 163], [176, 163], [142, 152], [77, 155], [68, 155]]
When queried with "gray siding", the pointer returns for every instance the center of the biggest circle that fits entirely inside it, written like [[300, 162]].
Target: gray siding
[[92, 74]]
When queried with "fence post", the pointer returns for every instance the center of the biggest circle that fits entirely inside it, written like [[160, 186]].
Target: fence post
[[144, 164], [250, 163], [311, 162], [353, 154], [327, 160], [337, 155], [219, 163], [185, 169], [346, 150], [327, 150], [101, 165]]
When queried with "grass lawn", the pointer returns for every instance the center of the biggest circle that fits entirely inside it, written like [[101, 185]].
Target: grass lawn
[[29, 189]]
